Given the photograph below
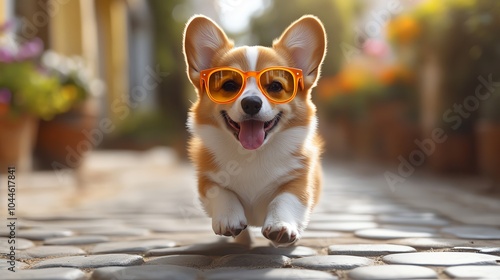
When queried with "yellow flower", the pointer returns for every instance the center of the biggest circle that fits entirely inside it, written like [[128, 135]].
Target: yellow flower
[[403, 29], [395, 73], [431, 8], [69, 92]]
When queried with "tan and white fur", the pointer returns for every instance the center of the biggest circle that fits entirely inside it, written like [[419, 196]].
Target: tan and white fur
[[275, 185]]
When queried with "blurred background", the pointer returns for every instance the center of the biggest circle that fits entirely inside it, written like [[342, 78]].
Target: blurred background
[[408, 84]]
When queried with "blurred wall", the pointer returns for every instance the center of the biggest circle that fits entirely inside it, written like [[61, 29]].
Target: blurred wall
[[3, 10]]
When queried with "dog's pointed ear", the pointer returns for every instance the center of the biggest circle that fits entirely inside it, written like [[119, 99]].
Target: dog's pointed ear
[[203, 40], [304, 43]]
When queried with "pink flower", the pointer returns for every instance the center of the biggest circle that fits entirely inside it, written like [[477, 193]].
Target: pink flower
[[30, 49], [5, 96], [374, 47], [6, 26], [6, 56]]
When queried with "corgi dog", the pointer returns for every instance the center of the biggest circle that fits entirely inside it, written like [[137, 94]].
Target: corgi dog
[[254, 140]]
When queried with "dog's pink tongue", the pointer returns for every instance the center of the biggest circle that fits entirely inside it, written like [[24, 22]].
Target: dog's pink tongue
[[251, 134]]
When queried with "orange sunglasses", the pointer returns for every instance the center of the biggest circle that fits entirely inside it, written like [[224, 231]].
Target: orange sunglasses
[[225, 84]]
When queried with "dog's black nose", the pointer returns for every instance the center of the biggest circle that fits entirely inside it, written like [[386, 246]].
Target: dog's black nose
[[251, 105]]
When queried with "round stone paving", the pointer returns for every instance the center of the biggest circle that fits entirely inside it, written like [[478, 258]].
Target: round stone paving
[[321, 217], [4, 265], [130, 235], [50, 251], [268, 274], [195, 261], [387, 233], [331, 262], [368, 249], [316, 234], [490, 250], [432, 243], [56, 273], [375, 209], [21, 244], [135, 246], [291, 252], [92, 261], [251, 261], [116, 231], [472, 232], [43, 233], [341, 226], [76, 240], [484, 250], [209, 249], [392, 272], [412, 220], [474, 271], [149, 272], [441, 259]]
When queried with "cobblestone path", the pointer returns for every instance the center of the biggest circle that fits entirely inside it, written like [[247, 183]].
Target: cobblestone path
[[150, 228]]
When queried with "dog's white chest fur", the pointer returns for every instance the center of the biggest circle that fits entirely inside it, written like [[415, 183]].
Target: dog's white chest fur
[[253, 176]]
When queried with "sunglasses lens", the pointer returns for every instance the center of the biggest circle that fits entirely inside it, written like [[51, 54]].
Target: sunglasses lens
[[224, 85], [279, 85]]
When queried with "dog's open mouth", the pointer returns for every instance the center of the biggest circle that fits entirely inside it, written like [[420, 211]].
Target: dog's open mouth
[[251, 133]]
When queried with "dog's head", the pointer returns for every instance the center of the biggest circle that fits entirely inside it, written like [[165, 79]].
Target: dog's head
[[254, 92]]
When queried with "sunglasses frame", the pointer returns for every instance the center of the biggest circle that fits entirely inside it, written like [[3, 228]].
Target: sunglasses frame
[[298, 79]]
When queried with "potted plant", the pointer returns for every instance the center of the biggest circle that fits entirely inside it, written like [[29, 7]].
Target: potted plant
[[370, 107], [394, 112], [27, 93], [488, 139], [453, 43], [63, 141], [342, 100]]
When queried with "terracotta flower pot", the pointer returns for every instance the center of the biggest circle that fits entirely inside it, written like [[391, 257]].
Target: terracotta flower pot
[[17, 142], [64, 141], [488, 149], [338, 135], [455, 155], [393, 133]]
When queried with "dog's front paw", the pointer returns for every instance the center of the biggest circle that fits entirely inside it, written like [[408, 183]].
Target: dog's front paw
[[281, 233], [229, 225]]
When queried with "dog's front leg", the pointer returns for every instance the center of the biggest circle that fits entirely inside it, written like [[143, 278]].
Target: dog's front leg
[[287, 216], [228, 216]]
